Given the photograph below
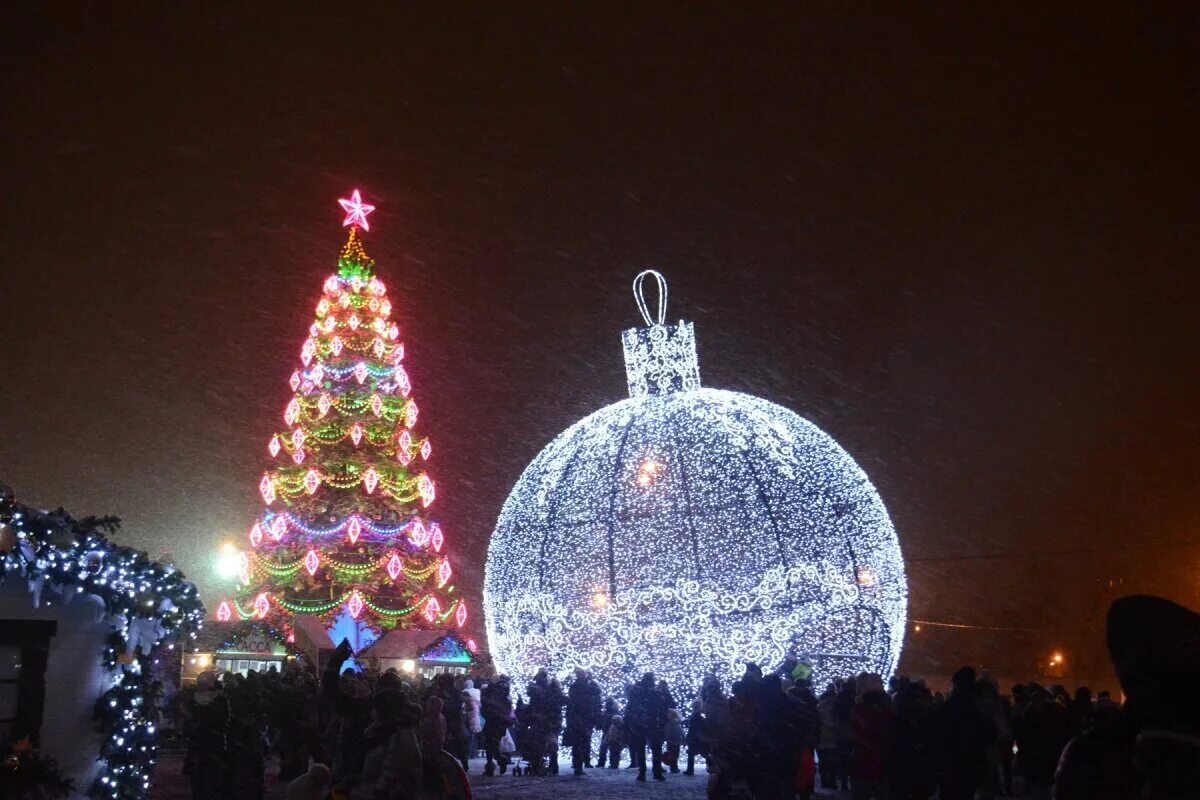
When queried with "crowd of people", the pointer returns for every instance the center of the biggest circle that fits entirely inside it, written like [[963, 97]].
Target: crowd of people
[[773, 736]]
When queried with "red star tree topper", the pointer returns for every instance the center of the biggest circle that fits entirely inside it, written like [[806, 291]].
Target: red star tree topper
[[346, 526]]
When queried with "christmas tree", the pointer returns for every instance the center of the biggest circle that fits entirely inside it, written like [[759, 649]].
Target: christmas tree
[[346, 531]]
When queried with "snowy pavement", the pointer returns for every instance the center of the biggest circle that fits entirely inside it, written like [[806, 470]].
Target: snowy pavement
[[609, 784]]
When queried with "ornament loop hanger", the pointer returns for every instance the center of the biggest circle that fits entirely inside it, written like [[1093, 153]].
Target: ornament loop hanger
[[639, 295]]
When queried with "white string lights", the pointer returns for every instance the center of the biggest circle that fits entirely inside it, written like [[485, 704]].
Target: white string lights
[[688, 530]]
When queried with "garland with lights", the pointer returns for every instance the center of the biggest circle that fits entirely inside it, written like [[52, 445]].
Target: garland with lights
[[151, 604], [240, 631], [687, 530], [346, 528]]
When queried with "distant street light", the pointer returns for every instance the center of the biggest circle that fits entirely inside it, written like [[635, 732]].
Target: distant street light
[[229, 561]]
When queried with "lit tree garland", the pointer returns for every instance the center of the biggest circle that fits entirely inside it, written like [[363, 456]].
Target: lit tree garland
[[151, 604], [688, 530], [346, 527]]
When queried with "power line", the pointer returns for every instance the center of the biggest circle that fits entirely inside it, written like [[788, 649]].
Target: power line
[[1067, 551], [974, 627]]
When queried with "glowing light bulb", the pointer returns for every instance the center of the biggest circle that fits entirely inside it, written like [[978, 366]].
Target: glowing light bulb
[[311, 562], [404, 444], [426, 489], [355, 605], [267, 489], [394, 566], [648, 472], [371, 480], [292, 411], [354, 529], [432, 609], [312, 480], [273, 446]]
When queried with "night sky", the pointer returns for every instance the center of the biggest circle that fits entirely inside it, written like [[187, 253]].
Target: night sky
[[966, 247]]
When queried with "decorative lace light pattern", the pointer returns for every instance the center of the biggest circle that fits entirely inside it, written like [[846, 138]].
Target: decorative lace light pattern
[[661, 359]]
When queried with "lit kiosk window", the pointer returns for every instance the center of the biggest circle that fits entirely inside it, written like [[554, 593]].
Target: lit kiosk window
[[688, 530]]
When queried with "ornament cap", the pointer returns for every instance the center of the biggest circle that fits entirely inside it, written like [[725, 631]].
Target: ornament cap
[[659, 358]]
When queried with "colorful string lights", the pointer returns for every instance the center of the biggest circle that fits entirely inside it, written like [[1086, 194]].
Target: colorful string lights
[[341, 490]]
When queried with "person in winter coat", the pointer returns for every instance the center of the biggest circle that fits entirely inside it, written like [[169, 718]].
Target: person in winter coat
[[455, 716], [827, 741], [610, 710], [614, 741], [716, 713], [871, 727], [961, 736], [673, 739], [246, 776], [496, 707], [913, 775], [472, 709], [349, 699], [538, 721], [1040, 734], [206, 730], [433, 727], [645, 719], [697, 736], [583, 715], [393, 765], [1150, 747]]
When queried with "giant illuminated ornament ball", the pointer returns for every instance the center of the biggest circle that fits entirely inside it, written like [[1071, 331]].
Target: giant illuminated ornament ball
[[686, 531]]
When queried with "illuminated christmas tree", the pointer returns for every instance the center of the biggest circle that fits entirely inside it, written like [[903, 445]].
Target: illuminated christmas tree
[[346, 533]]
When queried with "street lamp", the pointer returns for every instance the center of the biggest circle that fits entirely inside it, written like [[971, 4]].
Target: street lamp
[[229, 561]]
